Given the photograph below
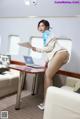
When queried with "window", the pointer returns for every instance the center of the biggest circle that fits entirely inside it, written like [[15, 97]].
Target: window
[[13, 44]]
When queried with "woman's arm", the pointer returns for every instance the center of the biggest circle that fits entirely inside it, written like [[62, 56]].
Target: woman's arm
[[25, 44], [48, 48]]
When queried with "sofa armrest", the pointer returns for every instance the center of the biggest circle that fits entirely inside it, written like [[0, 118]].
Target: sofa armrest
[[61, 104]]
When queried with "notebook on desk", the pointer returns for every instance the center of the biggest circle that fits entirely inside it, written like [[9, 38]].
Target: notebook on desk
[[29, 62]]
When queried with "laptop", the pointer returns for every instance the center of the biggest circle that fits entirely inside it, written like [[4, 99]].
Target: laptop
[[29, 62]]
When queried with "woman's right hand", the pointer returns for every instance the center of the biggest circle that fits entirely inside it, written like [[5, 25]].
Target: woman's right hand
[[46, 64], [34, 49]]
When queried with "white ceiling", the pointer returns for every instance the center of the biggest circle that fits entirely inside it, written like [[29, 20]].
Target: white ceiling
[[17, 8]]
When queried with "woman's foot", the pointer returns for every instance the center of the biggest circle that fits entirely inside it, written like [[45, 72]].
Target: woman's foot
[[41, 106]]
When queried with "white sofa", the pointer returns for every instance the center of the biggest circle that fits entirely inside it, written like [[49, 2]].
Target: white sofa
[[8, 82], [71, 84], [61, 104]]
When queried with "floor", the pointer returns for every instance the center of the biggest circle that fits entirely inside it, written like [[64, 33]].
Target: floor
[[29, 109], [10, 100]]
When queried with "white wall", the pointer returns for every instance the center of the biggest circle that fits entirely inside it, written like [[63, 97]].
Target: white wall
[[26, 27]]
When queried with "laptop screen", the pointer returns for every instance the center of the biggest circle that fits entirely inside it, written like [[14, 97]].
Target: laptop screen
[[28, 60]]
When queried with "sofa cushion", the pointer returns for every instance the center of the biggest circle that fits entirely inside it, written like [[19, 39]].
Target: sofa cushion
[[8, 78], [4, 62], [71, 81], [77, 86], [4, 81], [11, 75], [5, 59]]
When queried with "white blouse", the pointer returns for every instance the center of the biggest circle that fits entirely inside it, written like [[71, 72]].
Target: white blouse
[[56, 45]]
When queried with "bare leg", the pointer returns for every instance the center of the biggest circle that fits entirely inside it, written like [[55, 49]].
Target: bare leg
[[54, 64], [59, 59]]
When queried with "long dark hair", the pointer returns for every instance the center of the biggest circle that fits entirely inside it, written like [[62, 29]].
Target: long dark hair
[[46, 23]]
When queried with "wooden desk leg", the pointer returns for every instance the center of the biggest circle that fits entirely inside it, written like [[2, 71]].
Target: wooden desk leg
[[20, 82], [35, 84]]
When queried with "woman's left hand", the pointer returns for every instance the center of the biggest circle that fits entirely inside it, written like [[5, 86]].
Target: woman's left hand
[[25, 44]]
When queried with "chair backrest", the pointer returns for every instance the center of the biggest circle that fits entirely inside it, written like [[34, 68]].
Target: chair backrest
[[61, 104]]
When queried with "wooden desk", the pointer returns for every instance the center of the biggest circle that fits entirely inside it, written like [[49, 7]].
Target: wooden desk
[[23, 70]]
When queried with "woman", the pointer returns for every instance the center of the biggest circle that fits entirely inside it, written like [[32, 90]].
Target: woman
[[57, 55]]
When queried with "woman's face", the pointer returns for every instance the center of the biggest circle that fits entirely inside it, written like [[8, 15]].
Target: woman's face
[[41, 27]]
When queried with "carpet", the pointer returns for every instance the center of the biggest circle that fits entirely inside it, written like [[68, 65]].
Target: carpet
[[29, 109]]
